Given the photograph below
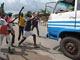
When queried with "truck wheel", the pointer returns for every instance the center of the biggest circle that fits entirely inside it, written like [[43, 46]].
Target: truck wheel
[[70, 46]]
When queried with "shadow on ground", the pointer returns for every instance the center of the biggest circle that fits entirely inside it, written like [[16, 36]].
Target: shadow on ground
[[29, 47], [5, 52], [26, 47], [57, 48], [2, 58], [43, 37], [20, 53]]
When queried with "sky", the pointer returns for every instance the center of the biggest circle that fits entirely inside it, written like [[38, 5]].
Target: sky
[[30, 5]]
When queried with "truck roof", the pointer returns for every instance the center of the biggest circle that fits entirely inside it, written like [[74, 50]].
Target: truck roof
[[68, 1]]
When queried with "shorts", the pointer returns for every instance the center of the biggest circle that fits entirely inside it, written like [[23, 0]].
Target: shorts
[[27, 33]]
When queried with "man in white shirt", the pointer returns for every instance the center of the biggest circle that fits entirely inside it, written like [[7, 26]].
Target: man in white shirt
[[9, 20]]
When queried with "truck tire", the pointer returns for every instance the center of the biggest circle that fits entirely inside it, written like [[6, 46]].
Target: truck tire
[[70, 46]]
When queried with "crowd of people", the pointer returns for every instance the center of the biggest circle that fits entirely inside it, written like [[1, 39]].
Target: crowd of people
[[26, 26]]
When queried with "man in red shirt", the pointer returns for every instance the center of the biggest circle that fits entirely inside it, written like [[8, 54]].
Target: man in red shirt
[[35, 23], [4, 31]]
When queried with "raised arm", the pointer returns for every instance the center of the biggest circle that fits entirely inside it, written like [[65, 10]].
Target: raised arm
[[20, 11], [2, 10], [14, 20]]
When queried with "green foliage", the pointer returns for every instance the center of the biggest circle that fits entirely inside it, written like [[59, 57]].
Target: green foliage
[[0, 10], [44, 12], [16, 15], [2, 5], [5, 14], [29, 12], [25, 14]]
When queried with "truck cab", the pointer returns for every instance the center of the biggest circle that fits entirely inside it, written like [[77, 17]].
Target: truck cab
[[64, 23]]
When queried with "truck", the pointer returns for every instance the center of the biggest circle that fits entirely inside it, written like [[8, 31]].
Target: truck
[[64, 24]]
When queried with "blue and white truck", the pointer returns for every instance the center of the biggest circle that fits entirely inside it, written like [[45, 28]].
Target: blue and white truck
[[64, 23]]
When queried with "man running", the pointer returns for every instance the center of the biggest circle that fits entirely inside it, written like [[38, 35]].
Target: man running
[[28, 32], [35, 24], [10, 22]]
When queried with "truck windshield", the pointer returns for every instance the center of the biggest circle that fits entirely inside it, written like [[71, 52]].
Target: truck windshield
[[63, 7], [78, 5]]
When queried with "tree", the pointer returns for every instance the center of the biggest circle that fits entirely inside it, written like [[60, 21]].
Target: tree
[[44, 12], [16, 15], [0, 10], [2, 6], [29, 12]]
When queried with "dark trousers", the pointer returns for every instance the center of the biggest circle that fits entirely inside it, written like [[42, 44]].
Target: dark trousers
[[20, 32], [13, 36], [36, 29]]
